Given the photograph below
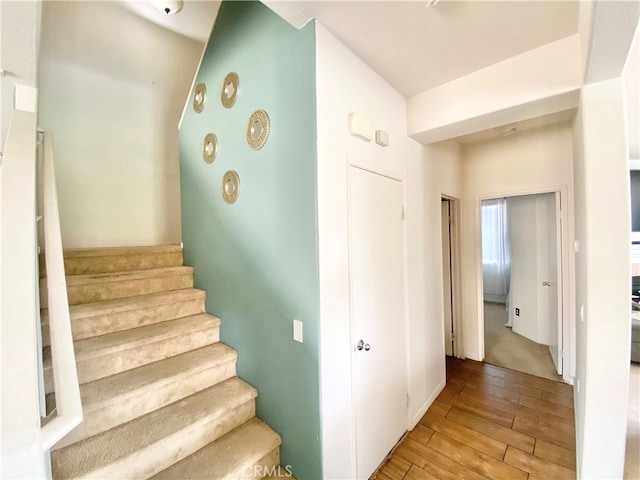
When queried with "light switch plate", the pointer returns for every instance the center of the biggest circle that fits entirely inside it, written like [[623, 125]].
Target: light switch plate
[[382, 138], [297, 330]]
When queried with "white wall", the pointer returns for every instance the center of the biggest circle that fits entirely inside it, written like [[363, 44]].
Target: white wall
[[22, 455], [112, 92], [442, 176], [529, 242], [361, 90], [632, 93], [541, 81], [19, 43], [532, 161], [602, 280], [524, 262]]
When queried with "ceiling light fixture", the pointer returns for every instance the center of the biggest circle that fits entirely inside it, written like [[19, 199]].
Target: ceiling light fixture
[[168, 7], [505, 129]]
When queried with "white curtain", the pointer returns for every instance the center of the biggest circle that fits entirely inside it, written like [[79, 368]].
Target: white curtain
[[496, 260]]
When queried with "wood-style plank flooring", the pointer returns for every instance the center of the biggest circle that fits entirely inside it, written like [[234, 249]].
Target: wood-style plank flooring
[[490, 423]]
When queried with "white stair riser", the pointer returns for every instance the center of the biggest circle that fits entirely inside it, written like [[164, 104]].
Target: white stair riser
[[119, 361], [114, 322], [160, 455], [153, 397]]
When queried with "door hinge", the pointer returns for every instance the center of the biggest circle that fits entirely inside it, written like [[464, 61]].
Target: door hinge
[[402, 214], [407, 399], [450, 220]]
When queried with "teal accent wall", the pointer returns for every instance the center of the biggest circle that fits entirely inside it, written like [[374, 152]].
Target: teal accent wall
[[257, 259]]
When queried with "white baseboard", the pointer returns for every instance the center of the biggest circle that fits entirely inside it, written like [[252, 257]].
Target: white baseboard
[[425, 406], [472, 356]]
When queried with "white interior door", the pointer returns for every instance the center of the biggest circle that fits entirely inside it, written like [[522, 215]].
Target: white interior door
[[377, 316], [446, 280], [554, 273]]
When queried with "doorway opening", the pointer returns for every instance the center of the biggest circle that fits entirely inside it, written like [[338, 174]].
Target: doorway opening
[[522, 283], [453, 346]]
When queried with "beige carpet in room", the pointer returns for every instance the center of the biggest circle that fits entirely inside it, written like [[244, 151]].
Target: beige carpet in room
[[504, 348], [632, 460]]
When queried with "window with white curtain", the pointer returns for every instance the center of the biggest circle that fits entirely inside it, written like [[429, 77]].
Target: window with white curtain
[[496, 258]]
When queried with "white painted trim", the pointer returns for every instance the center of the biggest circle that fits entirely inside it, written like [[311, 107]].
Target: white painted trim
[[425, 406], [456, 278], [407, 323], [353, 438], [378, 171], [568, 320]]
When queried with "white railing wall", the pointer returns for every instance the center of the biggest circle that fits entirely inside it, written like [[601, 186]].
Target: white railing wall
[[68, 404], [21, 453], [25, 443]]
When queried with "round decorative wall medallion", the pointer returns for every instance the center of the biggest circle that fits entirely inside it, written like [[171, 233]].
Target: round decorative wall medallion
[[229, 91], [258, 129], [230, 186], [210, 147], [199, 97]]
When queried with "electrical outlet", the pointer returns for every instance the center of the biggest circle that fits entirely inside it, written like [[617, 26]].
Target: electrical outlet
[[517, 312]]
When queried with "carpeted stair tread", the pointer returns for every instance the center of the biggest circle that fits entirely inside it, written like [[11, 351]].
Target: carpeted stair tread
[[116, 399], [98, 357], [120, 251], [146, 445], [227, 457], [97, 287], [111, 277], [107, 316], [136, 337], [99, 392], [98, 260]]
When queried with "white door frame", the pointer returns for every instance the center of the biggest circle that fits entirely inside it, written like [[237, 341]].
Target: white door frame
[[456, 287], [354, 163], [564, 283]]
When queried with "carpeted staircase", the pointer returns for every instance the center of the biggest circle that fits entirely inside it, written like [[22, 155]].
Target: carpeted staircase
[[159, 391]]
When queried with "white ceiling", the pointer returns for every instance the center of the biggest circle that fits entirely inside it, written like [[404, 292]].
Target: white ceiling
[[512, 128], [416, 47], [194, 21], [413, 46]]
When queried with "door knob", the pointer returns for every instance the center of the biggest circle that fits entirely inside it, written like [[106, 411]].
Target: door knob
[[361, 345], [547, 284]]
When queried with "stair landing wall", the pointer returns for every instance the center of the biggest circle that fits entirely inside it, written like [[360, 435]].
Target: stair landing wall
[[257, 258]]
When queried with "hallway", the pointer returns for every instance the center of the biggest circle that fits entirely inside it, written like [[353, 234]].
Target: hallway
[[490, 422]]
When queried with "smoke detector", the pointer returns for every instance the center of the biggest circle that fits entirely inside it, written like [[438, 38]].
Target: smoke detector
[[168, 7]]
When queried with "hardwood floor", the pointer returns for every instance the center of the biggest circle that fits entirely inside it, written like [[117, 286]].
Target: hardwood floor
[[490, 423]]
